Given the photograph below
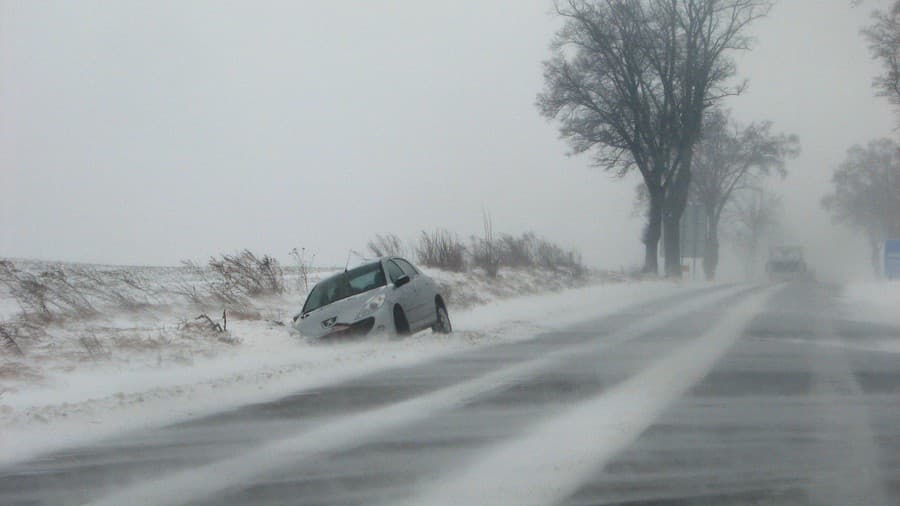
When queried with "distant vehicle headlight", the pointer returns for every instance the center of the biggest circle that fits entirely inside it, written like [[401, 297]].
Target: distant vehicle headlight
[[371, 305]]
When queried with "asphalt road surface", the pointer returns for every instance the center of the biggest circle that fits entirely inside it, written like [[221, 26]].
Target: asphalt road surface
[[730, 395]]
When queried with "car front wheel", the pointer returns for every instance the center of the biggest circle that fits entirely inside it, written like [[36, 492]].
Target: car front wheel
[[442, 325]]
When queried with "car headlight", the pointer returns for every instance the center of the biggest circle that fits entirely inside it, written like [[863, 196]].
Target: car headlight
[[371, 305]]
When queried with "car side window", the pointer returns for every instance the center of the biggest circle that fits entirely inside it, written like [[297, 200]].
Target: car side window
[[394, 272], [407, 267]]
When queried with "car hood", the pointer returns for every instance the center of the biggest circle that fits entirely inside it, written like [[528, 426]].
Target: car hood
[[343, 311]]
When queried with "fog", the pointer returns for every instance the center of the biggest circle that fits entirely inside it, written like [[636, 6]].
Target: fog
[[141, 133]]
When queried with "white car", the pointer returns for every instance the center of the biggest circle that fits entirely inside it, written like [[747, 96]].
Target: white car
[[388, 296]]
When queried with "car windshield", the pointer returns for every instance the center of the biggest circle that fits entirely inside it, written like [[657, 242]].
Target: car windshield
[[346, 284]]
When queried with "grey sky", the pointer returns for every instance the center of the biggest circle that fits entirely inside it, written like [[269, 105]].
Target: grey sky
[[150, 132]]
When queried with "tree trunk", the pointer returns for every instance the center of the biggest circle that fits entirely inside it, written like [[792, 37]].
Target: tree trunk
[[675, 202], [672, 244], [653, 231], [711, 254], [711, 248]]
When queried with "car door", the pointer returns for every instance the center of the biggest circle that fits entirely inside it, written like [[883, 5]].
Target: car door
[[420, 308], [404, 295]]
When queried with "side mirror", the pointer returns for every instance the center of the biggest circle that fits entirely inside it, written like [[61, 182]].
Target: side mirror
[[402, 280]]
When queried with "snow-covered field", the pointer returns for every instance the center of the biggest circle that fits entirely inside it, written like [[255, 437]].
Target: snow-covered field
[[148, 369], [876, 301]]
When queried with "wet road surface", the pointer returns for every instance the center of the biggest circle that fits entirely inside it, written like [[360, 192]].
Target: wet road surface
[[728, 395]]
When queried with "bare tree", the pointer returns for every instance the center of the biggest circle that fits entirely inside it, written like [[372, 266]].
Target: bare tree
[[441, 249], [386, 246], [233, 280], [486, 252], [246, 274], [884, 42], [518, 251], [867, 193], [304, 262], [727, 154], [755, 213], [48, 295], [9, 343], [630, 80]]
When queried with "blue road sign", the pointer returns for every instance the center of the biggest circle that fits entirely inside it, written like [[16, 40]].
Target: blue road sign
[[892, 258]]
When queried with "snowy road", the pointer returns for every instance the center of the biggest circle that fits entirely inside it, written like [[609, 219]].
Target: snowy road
[[734, 395]]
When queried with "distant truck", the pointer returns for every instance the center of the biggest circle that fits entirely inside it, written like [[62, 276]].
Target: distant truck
[[786, 264]]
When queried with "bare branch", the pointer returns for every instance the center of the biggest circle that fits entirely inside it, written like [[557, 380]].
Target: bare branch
[[884, 44], [630, 81]]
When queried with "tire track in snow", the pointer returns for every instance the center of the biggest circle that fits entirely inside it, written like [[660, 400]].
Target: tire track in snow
[[553, 460], [850, 472], [347, 431]]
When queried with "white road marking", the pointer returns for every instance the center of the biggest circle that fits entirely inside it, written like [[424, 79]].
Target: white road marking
[[342, 432], [552, 461]]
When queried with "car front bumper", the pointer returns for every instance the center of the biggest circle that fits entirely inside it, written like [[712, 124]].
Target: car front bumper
[[357, 329], [378, 322]]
